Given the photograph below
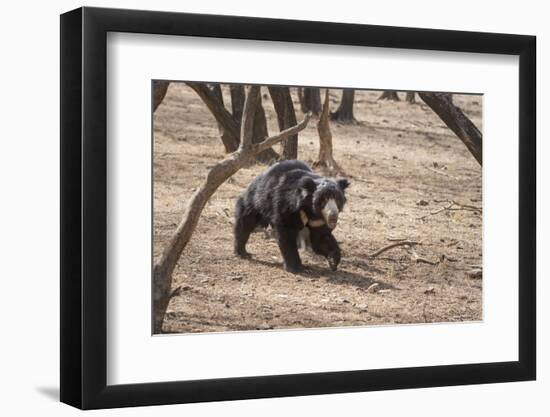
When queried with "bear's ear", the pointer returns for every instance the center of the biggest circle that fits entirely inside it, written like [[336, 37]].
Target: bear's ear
[[343, 183], [306, 187]]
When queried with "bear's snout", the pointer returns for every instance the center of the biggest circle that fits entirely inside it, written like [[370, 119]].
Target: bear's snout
[[330, 213], [332, 221]]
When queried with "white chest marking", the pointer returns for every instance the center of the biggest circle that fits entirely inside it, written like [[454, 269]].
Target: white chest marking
[[307, 221]]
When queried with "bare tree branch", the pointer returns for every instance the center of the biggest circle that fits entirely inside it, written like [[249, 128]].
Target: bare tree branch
[[452, 206], [230, 133], [273, 140], [391, 246], [457, 121]]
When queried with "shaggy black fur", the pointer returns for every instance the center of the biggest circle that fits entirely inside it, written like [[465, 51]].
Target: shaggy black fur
[[323, 243], [276, 198]]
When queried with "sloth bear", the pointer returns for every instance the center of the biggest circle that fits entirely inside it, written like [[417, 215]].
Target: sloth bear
[[289, 196]]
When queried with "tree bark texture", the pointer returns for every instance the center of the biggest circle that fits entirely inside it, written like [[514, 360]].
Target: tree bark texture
[[230, 128], [237, 101], [326, 161], [344, 113], [160, 88], [260, 132], [457, 121], [310, 99], [227, 124], [217, 93], [286, 117], [389, 95]]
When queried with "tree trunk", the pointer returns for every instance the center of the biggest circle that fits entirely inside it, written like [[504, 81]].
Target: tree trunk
[[260, 122], [286, 117], [344, 113], [457, 121], [237, 101], [411, 97], [389, 95], [164, 268], [217, 93], [228, 126], [159, 92], [310, 99], [326, 161], [260, 132]]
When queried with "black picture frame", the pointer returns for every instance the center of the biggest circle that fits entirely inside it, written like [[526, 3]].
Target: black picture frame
[[84, 207]]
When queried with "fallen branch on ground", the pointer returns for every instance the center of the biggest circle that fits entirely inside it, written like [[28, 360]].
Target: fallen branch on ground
[[420, 259], [409, 245], [451, 206], [463, 206], [444, 257], [433, 213], [475, 273], [391, 246], [441, 173]]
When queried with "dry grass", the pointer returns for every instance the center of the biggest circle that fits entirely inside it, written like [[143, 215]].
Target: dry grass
[[387, 157]]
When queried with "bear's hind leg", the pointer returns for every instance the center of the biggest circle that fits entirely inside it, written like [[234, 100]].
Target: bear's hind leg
[[244, 225], [287, 238]]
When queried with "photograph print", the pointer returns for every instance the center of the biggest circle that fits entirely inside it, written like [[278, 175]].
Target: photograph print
[[299, 207]]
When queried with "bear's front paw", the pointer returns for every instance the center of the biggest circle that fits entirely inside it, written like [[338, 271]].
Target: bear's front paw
[[294, 269], [243, 254]]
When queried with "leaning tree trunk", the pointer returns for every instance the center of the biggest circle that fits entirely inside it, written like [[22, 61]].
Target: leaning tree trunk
[[344, 113], [247, 151], [326, 161], [457, 121], [159, 92], [310, 99], [286, 117], [217, 90], [217, 93], [389, 95], [228, 126], [411, 97]]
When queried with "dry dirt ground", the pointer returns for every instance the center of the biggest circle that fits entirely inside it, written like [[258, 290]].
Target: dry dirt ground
[[403, 163]]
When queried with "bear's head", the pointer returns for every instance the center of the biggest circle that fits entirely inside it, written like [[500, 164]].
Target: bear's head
[[326, 196]]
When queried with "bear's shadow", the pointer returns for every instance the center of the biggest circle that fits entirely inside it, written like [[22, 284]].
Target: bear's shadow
[[340, 276]]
